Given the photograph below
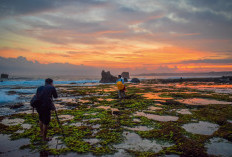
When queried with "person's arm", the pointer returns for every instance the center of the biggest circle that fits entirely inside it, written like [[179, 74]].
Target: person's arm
[[54, 93]]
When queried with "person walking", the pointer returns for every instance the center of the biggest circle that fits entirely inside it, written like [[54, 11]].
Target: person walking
[[45, 94], [121, 87]]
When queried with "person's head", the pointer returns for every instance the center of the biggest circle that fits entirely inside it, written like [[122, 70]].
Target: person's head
[[119, 76], [49, 81]]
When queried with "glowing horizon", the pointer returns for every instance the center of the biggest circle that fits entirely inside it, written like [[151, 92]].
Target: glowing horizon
[[152, 35]]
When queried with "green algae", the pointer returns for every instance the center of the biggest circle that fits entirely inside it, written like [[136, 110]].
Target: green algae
[[112, 126]]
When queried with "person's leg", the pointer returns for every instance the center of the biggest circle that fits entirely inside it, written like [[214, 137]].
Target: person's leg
[[123, 94], [41, 128], [45, 128], [119, 94]]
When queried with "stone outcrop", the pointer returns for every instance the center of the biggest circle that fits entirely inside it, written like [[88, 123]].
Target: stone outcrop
[[107, 77], [125, 75], [4, 76], [135, 80]]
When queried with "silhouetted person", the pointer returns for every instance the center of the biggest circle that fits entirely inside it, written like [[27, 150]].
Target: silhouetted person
[[46, 94]]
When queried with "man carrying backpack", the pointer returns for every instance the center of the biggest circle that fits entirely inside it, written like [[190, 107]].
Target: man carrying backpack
[[121, 87], [45, 95]]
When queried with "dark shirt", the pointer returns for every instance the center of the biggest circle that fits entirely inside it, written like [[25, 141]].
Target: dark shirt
[[46, 94]]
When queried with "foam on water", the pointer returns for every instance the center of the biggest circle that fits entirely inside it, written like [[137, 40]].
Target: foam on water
[[5, 98]]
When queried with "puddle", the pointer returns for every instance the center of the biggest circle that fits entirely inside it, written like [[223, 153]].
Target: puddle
[[83, 101], [96, 126], [15, 121], [219, 147], [26, 126], [65, 117], [67, 99], [183, 111], [158, 104], [230, 121], [202, 128], [155, 96], [136, 120], [92, 140], [87, 114], [107, 108], [225, 89], [139, 128], [120, 153], [153, 108], [76, 124], [92, 119], [109, 99], [157, 117], [134, 142], [56, 143], [201, 101], [11, 148]]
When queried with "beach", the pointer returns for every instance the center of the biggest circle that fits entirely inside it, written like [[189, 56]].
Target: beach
[[155, 119]]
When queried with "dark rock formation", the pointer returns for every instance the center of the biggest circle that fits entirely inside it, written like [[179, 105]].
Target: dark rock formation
[[125, 80], [4, 76], [17, 105], [107, 77], [125, 75], [135, 80], [11, 92]]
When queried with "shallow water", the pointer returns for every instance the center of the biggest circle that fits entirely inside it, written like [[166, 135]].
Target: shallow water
[[92, 140], [56, 143], [108, 108], [77, 124], [153, 108], [16, 121], [201, 101], [183, 111], [157, 117], [139, 128], [120, 153], [136, 120], [219, 147], [11, 148], [65, 117], [155, 96], [134, 142], [202, 128]]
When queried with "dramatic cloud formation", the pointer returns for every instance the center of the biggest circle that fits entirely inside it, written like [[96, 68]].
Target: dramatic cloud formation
[[138, 35]]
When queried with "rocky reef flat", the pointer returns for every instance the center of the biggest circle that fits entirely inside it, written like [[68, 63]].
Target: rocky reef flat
[[155, 119]]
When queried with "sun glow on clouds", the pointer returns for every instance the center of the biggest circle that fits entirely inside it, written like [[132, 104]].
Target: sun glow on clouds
[[120, 34]]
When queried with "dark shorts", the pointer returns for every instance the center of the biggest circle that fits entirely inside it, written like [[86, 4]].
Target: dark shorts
[[44, 115]]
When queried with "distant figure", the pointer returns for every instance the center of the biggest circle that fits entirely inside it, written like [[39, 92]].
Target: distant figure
[[46, 94], [121, 87]]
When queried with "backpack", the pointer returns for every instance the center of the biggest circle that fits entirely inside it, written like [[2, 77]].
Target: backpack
[[120, 85], [35, 102]]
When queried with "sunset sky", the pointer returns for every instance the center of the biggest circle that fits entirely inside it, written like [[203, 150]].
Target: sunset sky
[[137, 35]]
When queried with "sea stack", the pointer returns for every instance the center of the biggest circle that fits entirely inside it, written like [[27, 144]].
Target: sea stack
[[125, 75], [107, 77]]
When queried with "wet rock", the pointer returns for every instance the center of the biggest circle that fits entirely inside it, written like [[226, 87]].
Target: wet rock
[[135, 80], [11, 92], [107, 77], [125, 80], [4, 76], [125, 75], [17, 105]]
